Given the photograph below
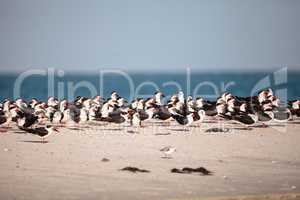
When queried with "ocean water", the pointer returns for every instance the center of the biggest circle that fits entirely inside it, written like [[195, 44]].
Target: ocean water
[[209, 85]]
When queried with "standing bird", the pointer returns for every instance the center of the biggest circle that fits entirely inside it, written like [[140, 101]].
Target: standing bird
[[27, 120], [41, 132], [136, 120], [184, 119], [5, 119], [158, 98], [180, 96], [294, 107]]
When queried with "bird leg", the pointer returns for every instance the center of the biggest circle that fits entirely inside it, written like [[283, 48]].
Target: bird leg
[[248, 127], [264, 125]]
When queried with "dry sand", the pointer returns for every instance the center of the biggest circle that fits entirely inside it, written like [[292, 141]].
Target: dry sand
[[244, 162]]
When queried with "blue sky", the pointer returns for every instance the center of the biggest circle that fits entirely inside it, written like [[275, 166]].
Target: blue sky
[[169, 35]]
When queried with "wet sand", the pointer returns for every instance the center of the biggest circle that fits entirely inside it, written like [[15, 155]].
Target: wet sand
[[260, 161]]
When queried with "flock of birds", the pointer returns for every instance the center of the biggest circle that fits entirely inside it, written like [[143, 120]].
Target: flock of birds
[[40, 118]]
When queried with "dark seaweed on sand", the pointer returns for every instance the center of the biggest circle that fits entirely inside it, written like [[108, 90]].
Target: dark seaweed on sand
[[189, 170], [134, 169]]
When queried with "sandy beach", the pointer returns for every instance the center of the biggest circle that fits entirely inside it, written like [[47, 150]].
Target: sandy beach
[[260, 161]]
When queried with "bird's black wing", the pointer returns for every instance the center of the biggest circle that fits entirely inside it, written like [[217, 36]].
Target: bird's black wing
[[143, 115], [245, 119], [163, 113], [74, 112], [280, 115], [180, 119], [115, 117], [40, 131], [30, 119], [262, 116]]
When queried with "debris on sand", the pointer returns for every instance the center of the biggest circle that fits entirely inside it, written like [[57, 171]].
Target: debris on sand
[[189, 170], [105, 160], [134, 169], [168, 151]]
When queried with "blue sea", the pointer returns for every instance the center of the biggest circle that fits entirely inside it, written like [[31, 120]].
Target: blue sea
[[129, 85]]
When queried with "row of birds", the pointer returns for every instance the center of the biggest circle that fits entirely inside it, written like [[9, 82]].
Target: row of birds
[[263, 108]]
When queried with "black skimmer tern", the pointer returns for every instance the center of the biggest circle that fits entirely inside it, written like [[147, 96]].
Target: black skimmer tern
[[199, 115], [66, 116], [84, 115], [33, 102], [27, 120], [180, 96], [148, 113], [5, 118], [57, 117], [21, 104], [42, 132], [282, 114], [53, 102], [114, 95], [208, 107], [98, 100], [136, 120], [158, 96], [184, 119], [163, 113], [117, 117], [294, 107], [264, 95]]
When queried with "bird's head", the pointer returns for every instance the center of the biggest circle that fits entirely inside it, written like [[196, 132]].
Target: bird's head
[[52, 128]]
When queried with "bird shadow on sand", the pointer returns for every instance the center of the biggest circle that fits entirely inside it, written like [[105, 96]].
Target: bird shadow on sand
[[132, 132], [60, 125], [217, 130], [179, 129], [277, 125], [75, 129], [5, 129], [162, 125], [210, 122], [35, 141], [242, 128], [260, 126], [112, 129], [162, 134], [293, 122], [165, 157], [19, 132]]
